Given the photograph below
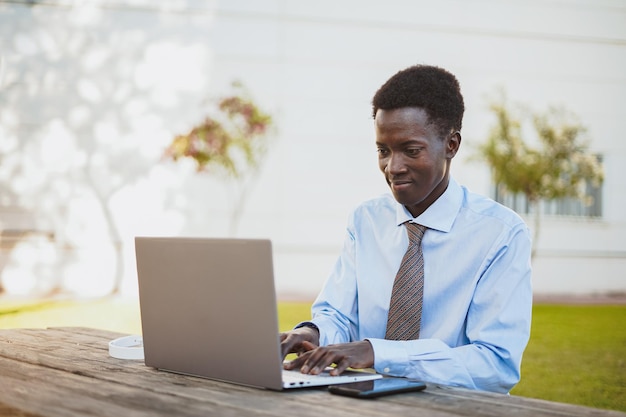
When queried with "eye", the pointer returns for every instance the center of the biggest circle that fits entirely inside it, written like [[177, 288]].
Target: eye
[[413, 151], [382, 152]]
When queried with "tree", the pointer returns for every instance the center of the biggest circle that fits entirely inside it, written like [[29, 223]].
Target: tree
[[230, 143], [557, 165], [71, 129]]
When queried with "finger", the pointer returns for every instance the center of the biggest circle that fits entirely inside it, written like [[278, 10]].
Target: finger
[[285, 349], [288, 344], [319, 359], [341, 366], [307, 346], [297, 362], [295, 342]]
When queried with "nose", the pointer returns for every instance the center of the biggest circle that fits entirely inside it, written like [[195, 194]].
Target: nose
[[395, 164]]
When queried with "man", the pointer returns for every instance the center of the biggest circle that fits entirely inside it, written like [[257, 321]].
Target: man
[[471, 319]]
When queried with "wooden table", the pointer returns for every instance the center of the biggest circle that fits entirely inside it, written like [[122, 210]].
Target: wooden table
[[68, 372]]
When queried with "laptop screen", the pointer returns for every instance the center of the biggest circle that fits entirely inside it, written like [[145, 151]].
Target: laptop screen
[[208, 308]]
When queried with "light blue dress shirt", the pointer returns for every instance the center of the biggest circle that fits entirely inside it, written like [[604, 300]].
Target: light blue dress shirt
[[477, 290]]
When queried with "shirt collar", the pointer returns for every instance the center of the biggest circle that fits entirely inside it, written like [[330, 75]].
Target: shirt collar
[[441, 214]]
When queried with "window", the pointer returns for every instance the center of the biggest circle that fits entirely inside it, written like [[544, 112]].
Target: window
[[558, 207]]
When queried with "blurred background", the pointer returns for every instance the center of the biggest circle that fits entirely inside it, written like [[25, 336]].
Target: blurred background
[[92, 94]]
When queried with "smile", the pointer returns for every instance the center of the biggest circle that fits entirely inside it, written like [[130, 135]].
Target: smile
[[399, 185]]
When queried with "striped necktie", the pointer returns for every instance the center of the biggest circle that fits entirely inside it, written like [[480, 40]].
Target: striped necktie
[[405, 309]]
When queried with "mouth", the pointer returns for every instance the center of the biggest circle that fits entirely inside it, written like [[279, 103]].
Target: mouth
[[399, 185]]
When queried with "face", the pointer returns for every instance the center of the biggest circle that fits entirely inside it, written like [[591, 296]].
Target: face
[[413, 156]]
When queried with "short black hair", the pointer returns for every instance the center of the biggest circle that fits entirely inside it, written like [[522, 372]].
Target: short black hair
[[433, 89]]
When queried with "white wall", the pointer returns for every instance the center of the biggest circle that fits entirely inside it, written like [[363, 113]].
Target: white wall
[[132, 78]]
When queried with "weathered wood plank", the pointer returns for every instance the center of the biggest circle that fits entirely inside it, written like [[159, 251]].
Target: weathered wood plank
[[55, 393], [6, 411], [40, 367], [43, 390], [157, 391]]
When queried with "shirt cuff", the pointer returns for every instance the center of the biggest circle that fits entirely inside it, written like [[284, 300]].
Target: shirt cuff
[[390, 357], [309, 325], [393, 357]]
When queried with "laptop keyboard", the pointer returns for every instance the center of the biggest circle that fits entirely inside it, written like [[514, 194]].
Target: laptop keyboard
[[296, 376]]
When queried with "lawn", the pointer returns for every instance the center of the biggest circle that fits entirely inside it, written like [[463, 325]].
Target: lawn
[[576, 354]]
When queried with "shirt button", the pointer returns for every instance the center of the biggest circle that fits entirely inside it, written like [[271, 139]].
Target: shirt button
[[386, 370]]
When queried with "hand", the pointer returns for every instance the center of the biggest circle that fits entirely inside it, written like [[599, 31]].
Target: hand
[[293, 341], [344, 355]]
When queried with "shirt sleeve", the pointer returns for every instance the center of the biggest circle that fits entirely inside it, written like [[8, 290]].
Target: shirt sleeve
[[497, 328], [335, 310]]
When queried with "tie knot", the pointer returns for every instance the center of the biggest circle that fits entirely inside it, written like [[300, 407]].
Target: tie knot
[[415, 231]]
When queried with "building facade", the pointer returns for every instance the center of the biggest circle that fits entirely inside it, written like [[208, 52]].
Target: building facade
[[92, 92]]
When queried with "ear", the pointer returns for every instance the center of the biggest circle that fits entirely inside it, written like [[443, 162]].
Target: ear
[[453, 143]]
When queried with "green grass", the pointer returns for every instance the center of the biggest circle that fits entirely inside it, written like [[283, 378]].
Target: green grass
[[120, 315], [103, 313], [576, 354]]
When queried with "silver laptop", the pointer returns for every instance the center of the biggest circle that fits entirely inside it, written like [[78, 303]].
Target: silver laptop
[[208, 308]]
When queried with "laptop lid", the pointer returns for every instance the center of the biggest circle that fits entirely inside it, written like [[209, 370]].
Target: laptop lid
[[208, 308]]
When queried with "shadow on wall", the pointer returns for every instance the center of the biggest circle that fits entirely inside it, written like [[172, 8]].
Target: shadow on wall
[[90, 97]]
